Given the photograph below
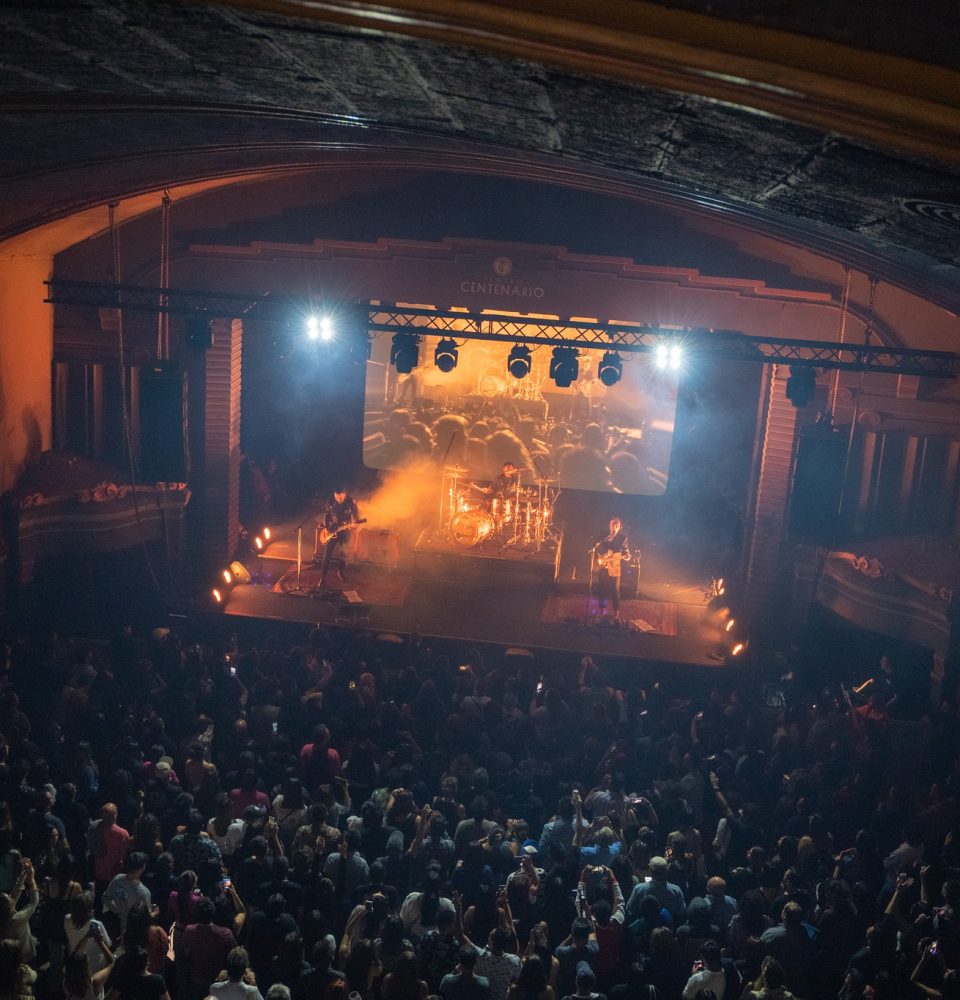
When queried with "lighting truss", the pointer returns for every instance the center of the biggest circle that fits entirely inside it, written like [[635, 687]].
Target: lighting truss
[[625, 338]]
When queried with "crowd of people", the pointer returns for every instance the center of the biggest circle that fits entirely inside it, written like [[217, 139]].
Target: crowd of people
[[376, 817]]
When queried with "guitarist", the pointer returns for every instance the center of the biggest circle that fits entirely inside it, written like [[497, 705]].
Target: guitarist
[[611, 551], [340, 512]]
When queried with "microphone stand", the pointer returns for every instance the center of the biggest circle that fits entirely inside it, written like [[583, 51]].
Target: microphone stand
[[298, 590], [593, 557]]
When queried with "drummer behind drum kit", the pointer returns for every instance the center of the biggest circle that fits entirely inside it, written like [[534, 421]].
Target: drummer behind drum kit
[[523, 519]]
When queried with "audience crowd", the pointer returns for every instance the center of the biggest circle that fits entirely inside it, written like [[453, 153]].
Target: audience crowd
[[380, 818]]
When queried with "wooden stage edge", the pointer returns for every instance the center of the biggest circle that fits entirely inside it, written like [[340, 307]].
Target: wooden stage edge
[[486, 614]]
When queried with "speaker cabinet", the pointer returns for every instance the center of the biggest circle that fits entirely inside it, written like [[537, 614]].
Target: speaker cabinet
[[164, 455]]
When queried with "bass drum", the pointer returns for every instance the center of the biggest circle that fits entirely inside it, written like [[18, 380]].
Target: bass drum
[[471, 527]]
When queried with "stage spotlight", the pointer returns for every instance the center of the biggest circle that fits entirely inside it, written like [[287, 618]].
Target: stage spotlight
[[801, 386], [320, 328], [668, 355], [266, 534], [217, 596], [519, 361], [610, 370], [737, 648], [405, 352], [227, 577], [564, 366], [730, 624], [240, 572], [258, 543], [446, 355]]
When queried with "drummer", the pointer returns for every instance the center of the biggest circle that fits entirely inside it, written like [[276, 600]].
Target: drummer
[[505, 485]]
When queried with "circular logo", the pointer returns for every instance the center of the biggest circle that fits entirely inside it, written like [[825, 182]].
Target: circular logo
[[502, 266]]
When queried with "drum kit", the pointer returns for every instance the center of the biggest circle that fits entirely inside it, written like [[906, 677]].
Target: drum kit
[[522, 519]]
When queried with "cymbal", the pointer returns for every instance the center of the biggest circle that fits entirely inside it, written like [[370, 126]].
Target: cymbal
[[455, 470]]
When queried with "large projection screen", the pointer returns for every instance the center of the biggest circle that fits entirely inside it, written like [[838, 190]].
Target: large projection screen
[[588, 436]]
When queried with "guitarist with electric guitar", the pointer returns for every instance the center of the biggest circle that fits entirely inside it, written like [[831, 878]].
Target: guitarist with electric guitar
[[610, 553], [333, 532]]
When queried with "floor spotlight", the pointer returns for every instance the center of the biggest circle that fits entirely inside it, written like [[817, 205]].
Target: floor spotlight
[[405, 352], [240, 572], [227, 577], [217, 596], [519, 361], [266, 534], [564, 366], [610, 370], [446, 355]]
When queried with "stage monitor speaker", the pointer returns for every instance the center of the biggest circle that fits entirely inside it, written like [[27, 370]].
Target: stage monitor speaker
[[163, 426], [816, 485]]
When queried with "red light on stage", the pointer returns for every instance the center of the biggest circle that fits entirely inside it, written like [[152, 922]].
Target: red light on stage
[[738, 649]]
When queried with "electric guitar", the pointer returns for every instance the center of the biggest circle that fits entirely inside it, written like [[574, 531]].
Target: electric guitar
[[324, 534]]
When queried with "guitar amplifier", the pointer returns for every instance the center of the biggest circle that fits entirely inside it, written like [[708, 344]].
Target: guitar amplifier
[[377, 545]]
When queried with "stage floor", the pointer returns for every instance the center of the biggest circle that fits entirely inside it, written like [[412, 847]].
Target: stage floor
[[664, 612]]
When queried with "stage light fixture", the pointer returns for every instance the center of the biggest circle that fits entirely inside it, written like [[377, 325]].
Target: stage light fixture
[[668, 354], [266, 534], [801, 386], [227, 576], [446, 355], [405, 352], [564, 366], [610, 370], [319, 327], [217, 596], [240, 572], [738, 648], [519, 361], [258, 543]]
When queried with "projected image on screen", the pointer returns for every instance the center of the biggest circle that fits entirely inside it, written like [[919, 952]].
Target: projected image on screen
[[588, 436]]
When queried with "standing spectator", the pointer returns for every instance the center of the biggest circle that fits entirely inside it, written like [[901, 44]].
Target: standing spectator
[[497, 965], [578, 947], [669, 896], [348, 870], [131, 979], [195, 851], [79, 983], [237, 985], [14, 922], [126, 889], [710, 977], [206, 946], [106, 840], [464, 984]]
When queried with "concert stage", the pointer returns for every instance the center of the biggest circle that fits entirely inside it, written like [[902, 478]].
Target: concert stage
[[506, 597]]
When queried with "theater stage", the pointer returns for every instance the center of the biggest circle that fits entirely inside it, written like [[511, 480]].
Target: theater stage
[[514, 598]]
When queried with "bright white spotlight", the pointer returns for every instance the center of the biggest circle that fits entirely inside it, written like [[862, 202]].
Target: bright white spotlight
[[313, 327], [326, 328], [661, 355], [676, 356]]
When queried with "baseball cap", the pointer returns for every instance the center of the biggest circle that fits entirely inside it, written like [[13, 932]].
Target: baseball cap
[[658, 864]]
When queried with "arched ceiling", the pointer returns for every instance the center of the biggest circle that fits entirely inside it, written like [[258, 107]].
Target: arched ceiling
[[803, 139]]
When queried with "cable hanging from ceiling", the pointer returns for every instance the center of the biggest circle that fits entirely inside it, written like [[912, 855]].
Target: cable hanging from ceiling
[[163, 314]]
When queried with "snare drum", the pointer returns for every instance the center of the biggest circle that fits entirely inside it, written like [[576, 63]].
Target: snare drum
[[471, 527]]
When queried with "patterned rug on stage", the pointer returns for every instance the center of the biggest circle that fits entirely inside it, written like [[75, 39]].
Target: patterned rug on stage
[[373, 585], [652, 617]]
